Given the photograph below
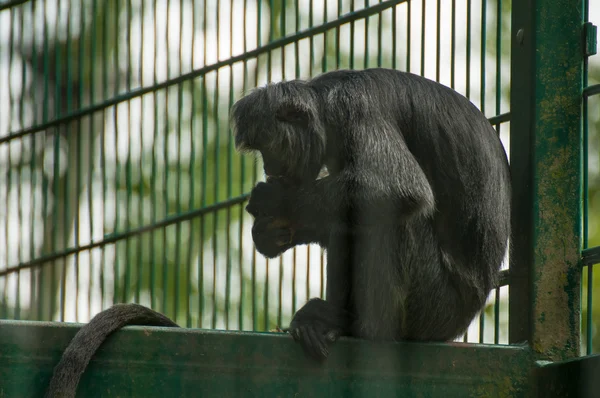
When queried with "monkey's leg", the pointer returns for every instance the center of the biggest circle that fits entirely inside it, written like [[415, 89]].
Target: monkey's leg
[[319, 323]]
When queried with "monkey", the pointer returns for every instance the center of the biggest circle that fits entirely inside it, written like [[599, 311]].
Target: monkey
[[414, 214], [90, 337]]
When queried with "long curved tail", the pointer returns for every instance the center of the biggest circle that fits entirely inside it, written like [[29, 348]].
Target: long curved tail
[[90, 337]]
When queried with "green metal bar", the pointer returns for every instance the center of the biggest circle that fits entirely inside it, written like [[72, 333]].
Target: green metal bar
[[167, 167], [203, 196], [230, 154], [546, 157], [366, 53], [589, 337], [325, 45], [35, 312], [394, 33], [423, 19], [128, 165], [408, 33], [591, 90], [352, 38], [586, 195], [141, 360], [117, 176], [497, 316], [483, 50], [102, 140], [154, 177], [437, 40], [216, 167], [192, 179], [338, 37], [178, 189], [142, 246], [8, 171], [379, 37], [242, 189], [58, 58], [570, 378], [17, 314], [468, 51]]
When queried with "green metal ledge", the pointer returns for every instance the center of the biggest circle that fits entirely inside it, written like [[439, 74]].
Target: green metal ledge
[[153, 362]]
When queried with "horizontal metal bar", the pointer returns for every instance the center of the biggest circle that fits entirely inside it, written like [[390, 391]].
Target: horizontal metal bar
[[591, 90], [10, 4], [152, 362], [591, 256], [353, 16], [502, 118], [112, 238]]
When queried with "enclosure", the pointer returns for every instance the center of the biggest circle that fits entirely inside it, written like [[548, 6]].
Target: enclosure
[[121, 183]]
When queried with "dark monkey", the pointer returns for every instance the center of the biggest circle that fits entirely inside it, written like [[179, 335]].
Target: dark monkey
[[415, 212]]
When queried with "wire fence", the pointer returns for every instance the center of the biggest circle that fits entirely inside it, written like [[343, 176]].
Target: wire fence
[[117, 164]]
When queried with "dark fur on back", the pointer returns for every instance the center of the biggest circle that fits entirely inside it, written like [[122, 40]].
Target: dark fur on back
[[90, 337], [415, 211]]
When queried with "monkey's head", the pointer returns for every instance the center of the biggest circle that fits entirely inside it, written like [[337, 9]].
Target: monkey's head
[[283, 123]]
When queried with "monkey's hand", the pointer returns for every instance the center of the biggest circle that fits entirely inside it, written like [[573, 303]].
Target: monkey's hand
[[272, 236], [272, 199], [317, 325]]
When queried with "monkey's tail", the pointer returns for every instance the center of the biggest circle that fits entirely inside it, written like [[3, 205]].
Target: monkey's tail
[[90, 337]]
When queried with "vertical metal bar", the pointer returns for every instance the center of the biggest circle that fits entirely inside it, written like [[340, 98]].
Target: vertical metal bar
[[204, 170], [254, 172], [585, 241], [590, 313], [408, 33], [352, 39], [167, 166], [394, 33], [483, 43], [58, 59], [191, 172], [242, 180], [482, 92], [117, 263], [141, 182], [438, 39], [102, 140], [217, 174], [91, 147], [23, 141], [453, 45], [229, 181], [379, 36], [423, 18], [178, 194], [35, 314], [546, 159], [468, 50], [153, 179], [128, 171], [337, 37]]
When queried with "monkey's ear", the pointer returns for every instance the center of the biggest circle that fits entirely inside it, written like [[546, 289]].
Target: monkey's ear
[[292, 114]]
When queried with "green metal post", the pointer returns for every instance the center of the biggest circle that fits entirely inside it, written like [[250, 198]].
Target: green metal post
[[546, 155]]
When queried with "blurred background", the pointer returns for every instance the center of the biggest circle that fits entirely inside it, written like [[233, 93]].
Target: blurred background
[[119, 181]]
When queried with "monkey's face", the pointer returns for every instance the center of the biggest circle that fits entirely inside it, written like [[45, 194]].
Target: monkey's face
[[282, 122]]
